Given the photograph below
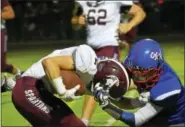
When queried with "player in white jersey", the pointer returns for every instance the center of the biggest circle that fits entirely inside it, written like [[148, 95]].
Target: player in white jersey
[[102, 20], [33, 94]]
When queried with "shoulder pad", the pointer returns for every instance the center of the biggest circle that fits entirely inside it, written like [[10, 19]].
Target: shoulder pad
[[165, 89]]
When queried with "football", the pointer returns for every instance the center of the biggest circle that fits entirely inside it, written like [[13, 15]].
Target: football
[[113, 67], [71, 79]]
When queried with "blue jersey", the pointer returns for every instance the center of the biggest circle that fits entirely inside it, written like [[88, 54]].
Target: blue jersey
[[169, 94]]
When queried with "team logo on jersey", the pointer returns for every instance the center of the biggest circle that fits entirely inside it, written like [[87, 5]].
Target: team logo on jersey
[[36, 101]]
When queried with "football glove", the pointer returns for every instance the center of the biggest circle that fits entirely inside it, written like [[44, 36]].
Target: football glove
[[69, 95], [144, 97], [101, 95], [9, 83]]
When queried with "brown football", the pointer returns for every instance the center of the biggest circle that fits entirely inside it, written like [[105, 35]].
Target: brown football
[[71, 79]]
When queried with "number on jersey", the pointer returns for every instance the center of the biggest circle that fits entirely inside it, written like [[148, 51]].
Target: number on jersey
[[100, 20]]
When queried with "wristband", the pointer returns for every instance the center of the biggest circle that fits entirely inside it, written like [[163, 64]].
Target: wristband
[[59, 85]]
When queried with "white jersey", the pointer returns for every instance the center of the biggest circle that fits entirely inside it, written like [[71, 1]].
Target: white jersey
[[102, 22], [37, 70]]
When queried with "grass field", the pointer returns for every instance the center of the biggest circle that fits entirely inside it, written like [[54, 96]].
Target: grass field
[[174, 54]]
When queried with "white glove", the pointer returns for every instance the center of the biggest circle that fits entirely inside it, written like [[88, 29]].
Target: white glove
[[144, 97], [9, 83], [101, 95], [69, 95]]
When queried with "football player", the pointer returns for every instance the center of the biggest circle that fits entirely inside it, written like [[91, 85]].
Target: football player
[[161, 101], [33, 94], [126, 39], [102, 20], [7, 13]]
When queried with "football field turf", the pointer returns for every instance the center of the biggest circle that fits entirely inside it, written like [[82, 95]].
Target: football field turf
[[174, 54]]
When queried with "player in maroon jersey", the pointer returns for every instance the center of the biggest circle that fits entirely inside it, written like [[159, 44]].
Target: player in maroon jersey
[[7, 13]]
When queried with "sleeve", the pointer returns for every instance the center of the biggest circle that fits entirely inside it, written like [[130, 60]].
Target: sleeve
[[4, 3], [141, 116], [166, 96]]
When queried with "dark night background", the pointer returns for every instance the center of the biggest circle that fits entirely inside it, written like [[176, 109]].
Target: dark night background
[[51, 20]]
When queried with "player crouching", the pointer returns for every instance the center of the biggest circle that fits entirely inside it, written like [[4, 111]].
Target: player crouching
[[33, 95], [161, 101]]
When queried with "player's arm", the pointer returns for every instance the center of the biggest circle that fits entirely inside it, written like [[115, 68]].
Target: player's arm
[[7, 12], [127, 103], [133, 119], [156, 104], [138, 15], [52, 67]]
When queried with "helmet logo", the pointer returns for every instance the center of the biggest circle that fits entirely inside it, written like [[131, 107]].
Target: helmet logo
[[155, 55]]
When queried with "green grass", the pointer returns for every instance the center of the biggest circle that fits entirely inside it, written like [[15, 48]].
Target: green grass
[[174, 54]]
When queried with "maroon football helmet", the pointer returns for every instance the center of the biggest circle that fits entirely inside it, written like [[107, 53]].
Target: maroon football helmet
[[110, 68]]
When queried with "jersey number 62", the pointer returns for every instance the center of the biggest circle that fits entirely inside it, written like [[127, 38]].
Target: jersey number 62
[[92, 20]]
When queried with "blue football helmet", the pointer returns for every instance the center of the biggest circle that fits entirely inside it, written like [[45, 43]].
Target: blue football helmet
[[144, 63]]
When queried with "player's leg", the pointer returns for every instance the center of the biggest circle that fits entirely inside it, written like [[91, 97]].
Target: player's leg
[[4, 66], [3, 58], [39, 106]]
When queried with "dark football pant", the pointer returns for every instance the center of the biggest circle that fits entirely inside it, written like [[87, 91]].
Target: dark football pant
[[4, 66], [40, 107]]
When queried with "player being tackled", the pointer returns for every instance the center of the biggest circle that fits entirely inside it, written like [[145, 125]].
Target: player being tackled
[[34, 93], [161, 101]]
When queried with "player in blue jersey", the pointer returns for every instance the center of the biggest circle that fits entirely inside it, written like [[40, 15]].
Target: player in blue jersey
[[161, 101]]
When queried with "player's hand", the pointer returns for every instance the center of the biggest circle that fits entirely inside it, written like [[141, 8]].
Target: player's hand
[[102, 97], [144, 97], [9, 83], [82, 20], [124, 28], [69, 95]]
